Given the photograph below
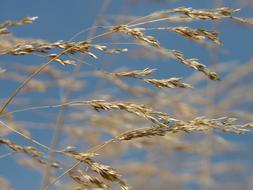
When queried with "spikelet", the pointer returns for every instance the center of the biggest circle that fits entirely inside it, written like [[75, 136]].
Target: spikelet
[[137, 34], [86, 180], [143, 132], [134, 73], [169, 83], [28, 150], [197, 34], [104, 171], [5, 25], [61, 61], [199, 124], [193, 63], [205, 14], [140, 110]]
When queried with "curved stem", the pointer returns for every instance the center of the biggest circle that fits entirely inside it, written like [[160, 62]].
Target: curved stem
[[24, 83], [25, 136]]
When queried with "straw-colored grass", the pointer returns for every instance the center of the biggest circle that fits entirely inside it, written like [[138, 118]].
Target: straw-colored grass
[[105, 127]]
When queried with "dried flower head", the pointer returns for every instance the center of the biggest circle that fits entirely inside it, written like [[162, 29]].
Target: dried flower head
[[5, 25], [205, 14], [169, 83], [196, 65], [134, 73], [197, 34], [140, 110], [137, 34]]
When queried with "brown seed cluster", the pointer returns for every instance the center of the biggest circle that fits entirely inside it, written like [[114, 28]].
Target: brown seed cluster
[[67, 47], [106, 172], [135, 90], [137, 34], [134, 73], [197, 34], [193, 63], [86, 180], [61, 61], [140, 110], [143, 132], [43, 47], [224, 124], [199, 124], [205, 14], [5, 25], [169, 83], [28, 150]]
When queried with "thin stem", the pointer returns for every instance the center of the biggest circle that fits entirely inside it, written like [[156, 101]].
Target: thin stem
[[147, 22], [147, 16], [54, 142], [71, 103], [100, 146], [86, 30], [101, 35], [24, 83], [63, 174], [99, 15], [61, 116], [6, 155], [25, 136]]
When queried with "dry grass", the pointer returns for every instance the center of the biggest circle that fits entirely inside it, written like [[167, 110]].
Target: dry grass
[[157, 122]]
